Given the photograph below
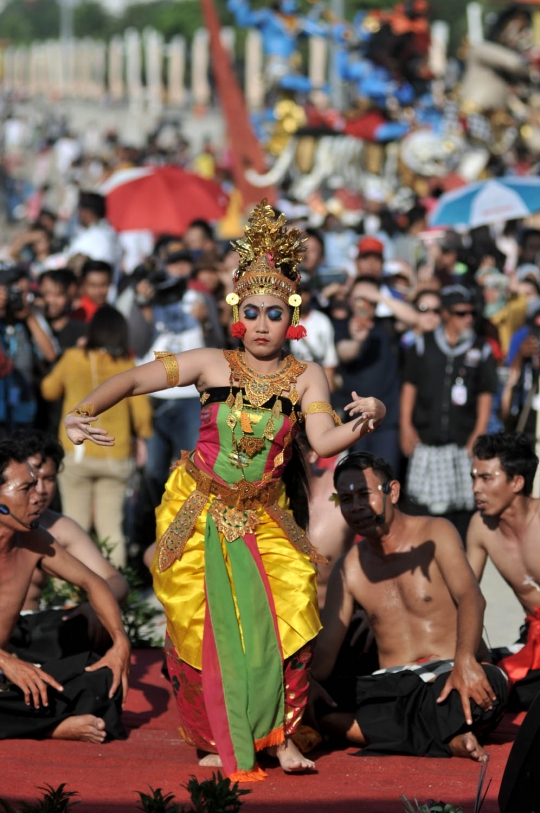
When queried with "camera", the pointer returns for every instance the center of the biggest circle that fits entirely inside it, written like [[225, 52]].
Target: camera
[[9, 277], [167, 290]]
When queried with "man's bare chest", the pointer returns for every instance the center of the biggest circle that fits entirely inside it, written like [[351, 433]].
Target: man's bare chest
[[518, 561], [394, 598], [16, 571]]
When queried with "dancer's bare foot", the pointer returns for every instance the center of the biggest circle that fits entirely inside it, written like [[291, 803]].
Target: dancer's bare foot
[[83, 727], [466, 745], [290, 758], [211, 761]]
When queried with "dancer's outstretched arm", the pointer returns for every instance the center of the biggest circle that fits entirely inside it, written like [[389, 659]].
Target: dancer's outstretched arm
[[142, 380]]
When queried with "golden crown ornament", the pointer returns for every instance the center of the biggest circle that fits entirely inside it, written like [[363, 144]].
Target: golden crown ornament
[[269, 254]]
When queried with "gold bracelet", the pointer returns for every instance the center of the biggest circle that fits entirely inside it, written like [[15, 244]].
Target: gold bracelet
[[83, 411], [170, 363], [322, 406]]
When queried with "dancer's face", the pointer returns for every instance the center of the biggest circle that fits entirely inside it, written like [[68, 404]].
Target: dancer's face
[[266, 319]]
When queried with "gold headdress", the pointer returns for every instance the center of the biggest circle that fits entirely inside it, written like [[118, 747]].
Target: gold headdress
[[269, 253]]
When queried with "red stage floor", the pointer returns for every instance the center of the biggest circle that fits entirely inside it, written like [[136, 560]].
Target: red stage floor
[[107, 777]]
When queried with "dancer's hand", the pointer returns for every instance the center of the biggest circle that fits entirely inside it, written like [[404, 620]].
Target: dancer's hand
[[469, 679], [370, 409], [79, 428]]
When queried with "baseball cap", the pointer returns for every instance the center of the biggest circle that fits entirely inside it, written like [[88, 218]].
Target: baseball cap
[[453, 295], [178, 256], [451, 241], [528, 270], [370, 245]]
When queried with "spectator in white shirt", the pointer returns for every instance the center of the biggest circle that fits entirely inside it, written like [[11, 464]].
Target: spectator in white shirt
[[97, 239]]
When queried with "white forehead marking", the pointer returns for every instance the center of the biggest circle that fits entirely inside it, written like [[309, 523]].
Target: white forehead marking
[[351, 486]]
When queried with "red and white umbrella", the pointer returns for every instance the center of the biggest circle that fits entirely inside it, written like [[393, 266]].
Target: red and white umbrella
[[161, 199]]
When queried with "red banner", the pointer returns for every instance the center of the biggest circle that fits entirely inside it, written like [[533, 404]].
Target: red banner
[[246, 150]]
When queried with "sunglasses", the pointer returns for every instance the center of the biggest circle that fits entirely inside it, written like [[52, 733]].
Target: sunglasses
[[463, 314], [425, 309]]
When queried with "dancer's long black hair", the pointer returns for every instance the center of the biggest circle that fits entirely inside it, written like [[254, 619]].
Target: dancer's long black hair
[[296, 482]]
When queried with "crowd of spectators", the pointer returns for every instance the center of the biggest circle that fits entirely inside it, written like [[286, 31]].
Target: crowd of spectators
[[442, 327]]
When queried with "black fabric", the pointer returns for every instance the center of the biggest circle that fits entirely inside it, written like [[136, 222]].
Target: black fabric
[[44, 636], [84, 693], [525, 691], [520, 786], [69, 335], [353, 661], [219, 395], [398, 713], [374, 372], [437, 420]]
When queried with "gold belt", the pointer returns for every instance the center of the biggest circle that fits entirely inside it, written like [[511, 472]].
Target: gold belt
[[243, 496], [234, 512]]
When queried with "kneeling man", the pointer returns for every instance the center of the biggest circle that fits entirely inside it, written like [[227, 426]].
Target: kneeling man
[[506, 528], [411, 576], [77, 697]]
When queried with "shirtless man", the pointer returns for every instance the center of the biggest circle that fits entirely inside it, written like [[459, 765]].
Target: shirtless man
[[45, 455], [411, 576], [506, 528], [43, 702]]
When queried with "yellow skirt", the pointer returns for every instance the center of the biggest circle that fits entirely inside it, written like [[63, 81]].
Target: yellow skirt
[[180, 588]]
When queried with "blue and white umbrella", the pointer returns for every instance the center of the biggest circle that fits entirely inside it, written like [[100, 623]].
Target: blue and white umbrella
[[478, 204]]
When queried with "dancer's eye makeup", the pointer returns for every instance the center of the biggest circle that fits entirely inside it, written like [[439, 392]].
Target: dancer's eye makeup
[[275, 313]]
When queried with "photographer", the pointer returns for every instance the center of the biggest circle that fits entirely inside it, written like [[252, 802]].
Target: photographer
[[32, 248], [25, 339], [165, 317]]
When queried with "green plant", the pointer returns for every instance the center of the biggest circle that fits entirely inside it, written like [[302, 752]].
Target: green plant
[[430, 806], [137, 614], [215, 795], [54, 800], [155, 802]]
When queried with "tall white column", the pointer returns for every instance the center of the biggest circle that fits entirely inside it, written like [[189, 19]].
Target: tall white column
[[8, 71], [99, 63], [51, 70], [133, 67], [20, 69], [87, 68], [253, 79], [33, 80], [69, 53], [200, 61], [116, 69], [153, 52], [318, 61], [176, 71]]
